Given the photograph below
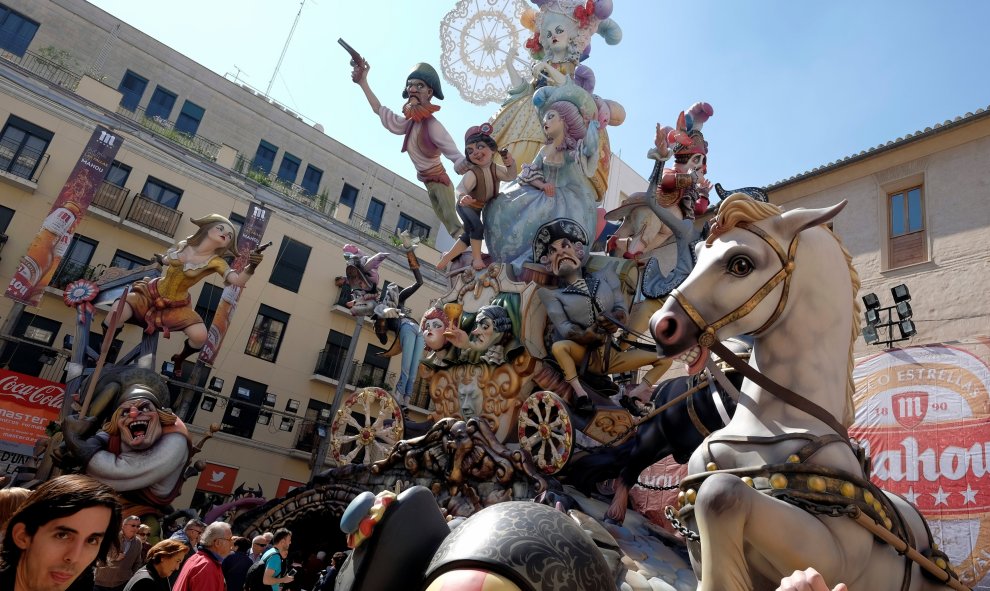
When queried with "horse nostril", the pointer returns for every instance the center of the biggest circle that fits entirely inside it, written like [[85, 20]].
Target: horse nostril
[[665, 329]]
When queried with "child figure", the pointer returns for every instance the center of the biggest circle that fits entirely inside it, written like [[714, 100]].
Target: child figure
[[479, 185]]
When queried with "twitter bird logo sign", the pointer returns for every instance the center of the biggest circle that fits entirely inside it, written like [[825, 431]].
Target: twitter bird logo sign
[[217, 479]]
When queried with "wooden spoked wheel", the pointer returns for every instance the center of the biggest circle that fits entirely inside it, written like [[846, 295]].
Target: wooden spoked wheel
[[546, 431], [366, 427]]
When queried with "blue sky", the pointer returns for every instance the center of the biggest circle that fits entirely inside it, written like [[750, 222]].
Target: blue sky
[[794, 84]]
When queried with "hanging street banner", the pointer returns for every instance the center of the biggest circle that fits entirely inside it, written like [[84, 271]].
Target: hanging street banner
[[27, 406], [249, 239], [45, 252]]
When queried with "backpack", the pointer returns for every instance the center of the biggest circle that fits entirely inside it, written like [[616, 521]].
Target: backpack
[[256, 573]]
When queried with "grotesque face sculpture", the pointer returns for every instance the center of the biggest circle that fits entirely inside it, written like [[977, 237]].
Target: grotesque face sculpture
[[138, 423], [419, 92], [484, 334], [563, 256], [479, 153], [471, 400]]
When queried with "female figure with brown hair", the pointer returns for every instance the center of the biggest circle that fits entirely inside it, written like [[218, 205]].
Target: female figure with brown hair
[[164, 559], [10, 499], [164, 302]]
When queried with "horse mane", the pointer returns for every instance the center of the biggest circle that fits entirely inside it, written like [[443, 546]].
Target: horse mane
[[739, 207]]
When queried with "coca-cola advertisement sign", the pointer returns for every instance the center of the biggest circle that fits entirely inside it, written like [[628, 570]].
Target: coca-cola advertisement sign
[[27, 406], [923, 413]]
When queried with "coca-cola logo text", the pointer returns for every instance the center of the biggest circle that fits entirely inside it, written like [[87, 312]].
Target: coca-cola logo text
[[41, 393]]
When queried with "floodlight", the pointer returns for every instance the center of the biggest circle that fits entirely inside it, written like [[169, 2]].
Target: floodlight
[[208, 403], [871, 301], [168, 368], [216, 384], [903, 310], [67, 342], [872, 317], [907, 329], [870, 334], [900, 293]]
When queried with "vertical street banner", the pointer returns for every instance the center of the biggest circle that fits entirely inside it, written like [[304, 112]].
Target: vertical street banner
[[45, 252], [27, 406], [249, 239]]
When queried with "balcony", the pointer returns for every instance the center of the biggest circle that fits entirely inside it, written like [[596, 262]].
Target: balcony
[[110, 197], [154, 216], [246, 168], [45, 68], [165, 129], [20, 164], [363, 375], [68, 271]]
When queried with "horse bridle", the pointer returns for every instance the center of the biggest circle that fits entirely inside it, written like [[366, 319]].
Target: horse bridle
[[707, 337], [708, 340]]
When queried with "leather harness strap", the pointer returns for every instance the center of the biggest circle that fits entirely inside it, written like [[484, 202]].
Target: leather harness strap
[[787, 396]]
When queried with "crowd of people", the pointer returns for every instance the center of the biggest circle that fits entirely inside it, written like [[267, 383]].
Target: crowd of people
[[70, 535]]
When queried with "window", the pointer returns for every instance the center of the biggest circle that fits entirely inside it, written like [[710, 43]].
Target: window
[[290, 263], [238, 221], [126, 260], [376, 209], [266, 335], [374, 368], [22, 144], [16, 31], [243, 410], [6, 214], [189, 118], [348, 196], [118, 173], [132, 89], [26, 358], [264, 158], [209, 299], [907, 227], [307, 431], [289, 169], [161, 103], [311, 179], [75, 263], [334, 355], [414, 226], [162, 193]]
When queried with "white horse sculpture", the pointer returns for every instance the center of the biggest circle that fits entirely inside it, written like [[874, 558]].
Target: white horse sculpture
[[780, 488]]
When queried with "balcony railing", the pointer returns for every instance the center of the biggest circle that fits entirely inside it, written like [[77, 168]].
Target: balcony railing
[[68, 271], [153, 215], [246, 168], [45, 68], [21, 160], [165, 128], [330, 363], [110, 197]]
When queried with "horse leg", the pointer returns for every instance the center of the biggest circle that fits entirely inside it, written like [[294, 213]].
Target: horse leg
[[651, 446], [736, 522]]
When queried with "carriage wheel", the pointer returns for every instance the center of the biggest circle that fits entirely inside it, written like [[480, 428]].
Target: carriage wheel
[[359, 437], [545, 431]]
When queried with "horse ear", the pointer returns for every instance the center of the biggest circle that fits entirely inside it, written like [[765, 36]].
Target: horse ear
[[797, 220]]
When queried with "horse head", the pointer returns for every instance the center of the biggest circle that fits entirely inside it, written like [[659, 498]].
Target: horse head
[[742, 282]]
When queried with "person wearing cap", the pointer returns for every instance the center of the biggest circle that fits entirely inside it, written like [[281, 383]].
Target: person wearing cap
[[164, 302], [141, 450], [585, 310], [425, 137], [478, 186]]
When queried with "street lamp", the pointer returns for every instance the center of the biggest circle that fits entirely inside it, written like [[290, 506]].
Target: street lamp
[[875, 323]]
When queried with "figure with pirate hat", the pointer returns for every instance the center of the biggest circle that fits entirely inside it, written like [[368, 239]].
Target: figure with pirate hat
[[163, 303], [425, 138], [585, 310]]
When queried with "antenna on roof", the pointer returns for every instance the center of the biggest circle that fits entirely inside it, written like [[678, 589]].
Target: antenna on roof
[[285, 48], [97, 70]]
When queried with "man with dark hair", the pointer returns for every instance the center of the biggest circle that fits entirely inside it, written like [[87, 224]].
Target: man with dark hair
[[235, 566], [202, 572], [121, 566], [58, 534], [275, 571]]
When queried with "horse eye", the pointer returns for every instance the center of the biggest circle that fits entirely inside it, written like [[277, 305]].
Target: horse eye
[[740, 266]]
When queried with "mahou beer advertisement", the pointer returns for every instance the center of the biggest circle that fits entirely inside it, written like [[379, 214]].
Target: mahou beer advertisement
[[249, 239], [45, 252], [923, 413], [27, 406]]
